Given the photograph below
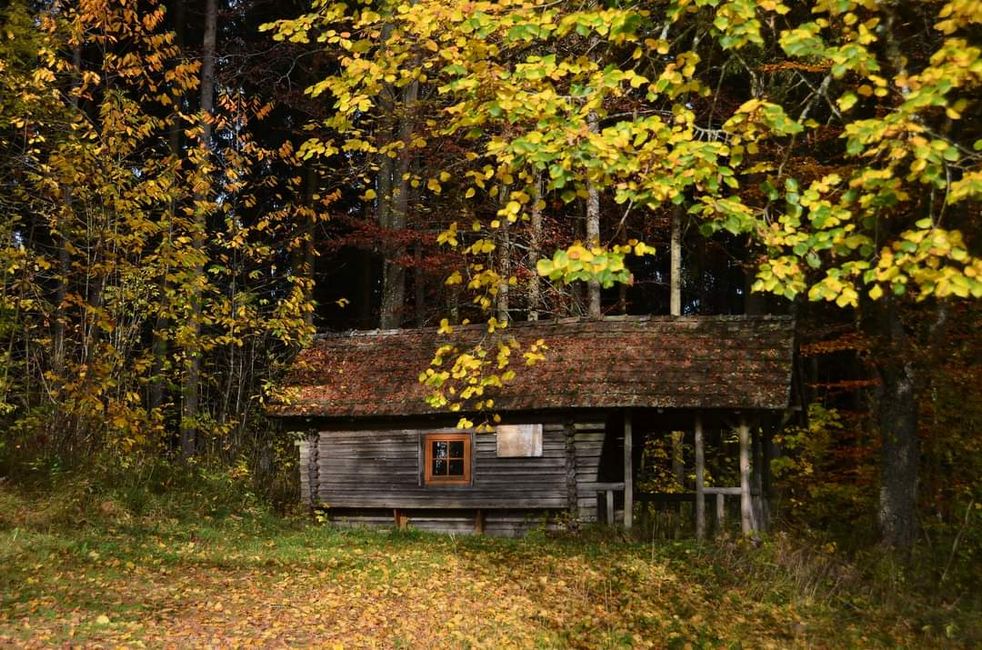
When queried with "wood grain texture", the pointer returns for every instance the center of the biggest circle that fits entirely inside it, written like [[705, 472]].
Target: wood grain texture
[[364, 476]]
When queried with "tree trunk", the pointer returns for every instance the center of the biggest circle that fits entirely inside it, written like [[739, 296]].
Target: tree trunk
[[504, 262], [162, 322], [593, 229], [190, 391], [393, 273], [535, 249], [675, 275], [897, 411], [62, 237]]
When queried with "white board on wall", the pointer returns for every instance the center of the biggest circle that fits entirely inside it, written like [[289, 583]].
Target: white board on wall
[[519, 440]]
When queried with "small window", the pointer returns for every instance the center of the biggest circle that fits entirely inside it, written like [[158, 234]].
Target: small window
[[447, 458]]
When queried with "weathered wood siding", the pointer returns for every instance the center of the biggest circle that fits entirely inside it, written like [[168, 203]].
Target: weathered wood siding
[[499, 523], [382, 469], [362, 477], [588, 442]]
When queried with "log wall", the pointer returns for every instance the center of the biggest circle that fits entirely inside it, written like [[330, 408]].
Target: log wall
[[364, 477]]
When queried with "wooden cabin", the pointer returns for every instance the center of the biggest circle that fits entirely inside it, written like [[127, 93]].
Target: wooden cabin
[[572, 425]]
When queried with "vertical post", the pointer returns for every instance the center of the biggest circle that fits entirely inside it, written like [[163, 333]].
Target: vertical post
[[720, 513], [757, 479], [313, 466], [572, 494], [765, 472], [610, 507], [746, 508], [700, 471], [628, 472]]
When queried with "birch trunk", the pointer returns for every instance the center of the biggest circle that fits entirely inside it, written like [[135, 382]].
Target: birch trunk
[[593, 229]]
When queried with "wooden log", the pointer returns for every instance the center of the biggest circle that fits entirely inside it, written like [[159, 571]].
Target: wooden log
[[746, 508], [700, 469], [628, 472]]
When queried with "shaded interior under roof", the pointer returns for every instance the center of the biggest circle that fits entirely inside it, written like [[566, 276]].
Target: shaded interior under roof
[[704, 362]]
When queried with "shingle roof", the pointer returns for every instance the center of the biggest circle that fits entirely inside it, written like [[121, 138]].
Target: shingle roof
[[725, 362]]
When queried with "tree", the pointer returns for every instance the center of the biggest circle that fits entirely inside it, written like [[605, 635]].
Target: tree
[[127, 253], [848, 160]]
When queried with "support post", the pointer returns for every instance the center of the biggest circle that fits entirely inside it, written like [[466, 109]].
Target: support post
[[757, 479], [572, 495], [720, 513], [746, 507], [700, 487], [401, 519], [313, 466], [628, 472], [610, 507]]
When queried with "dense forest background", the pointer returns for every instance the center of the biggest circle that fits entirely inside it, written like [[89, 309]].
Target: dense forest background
[[191, 189]]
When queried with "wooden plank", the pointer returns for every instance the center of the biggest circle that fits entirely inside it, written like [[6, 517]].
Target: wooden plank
[[628, 472], [589, 426], [746, 508], [610, 507], [405, 501], [732, 491], [665, 497], [700, 478]]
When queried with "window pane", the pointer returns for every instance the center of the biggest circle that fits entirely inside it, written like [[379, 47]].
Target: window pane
[[457, 449], [440, 449], [439, 467], [456, 468]]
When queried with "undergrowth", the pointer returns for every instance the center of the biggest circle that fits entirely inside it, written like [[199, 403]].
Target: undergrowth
[[178, 555]]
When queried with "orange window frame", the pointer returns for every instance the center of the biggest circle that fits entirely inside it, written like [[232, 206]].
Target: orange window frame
[[429, 442]]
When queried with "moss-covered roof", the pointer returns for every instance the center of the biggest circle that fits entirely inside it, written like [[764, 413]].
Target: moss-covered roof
[[710, 362]]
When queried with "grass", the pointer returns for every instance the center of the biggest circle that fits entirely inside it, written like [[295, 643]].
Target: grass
[[92, 572]]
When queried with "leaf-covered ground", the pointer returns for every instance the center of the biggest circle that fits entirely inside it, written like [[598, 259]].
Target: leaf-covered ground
[[244, 582]]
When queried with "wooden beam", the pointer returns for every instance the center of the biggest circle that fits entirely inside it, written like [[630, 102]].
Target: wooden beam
[[628, 472], [746, 507], [610, 507], [700, 487]]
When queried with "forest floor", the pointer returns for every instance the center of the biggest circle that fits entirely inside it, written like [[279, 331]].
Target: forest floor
[[110, 578]]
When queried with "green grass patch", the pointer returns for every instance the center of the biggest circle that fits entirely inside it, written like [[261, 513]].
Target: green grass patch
[[111, 575]]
